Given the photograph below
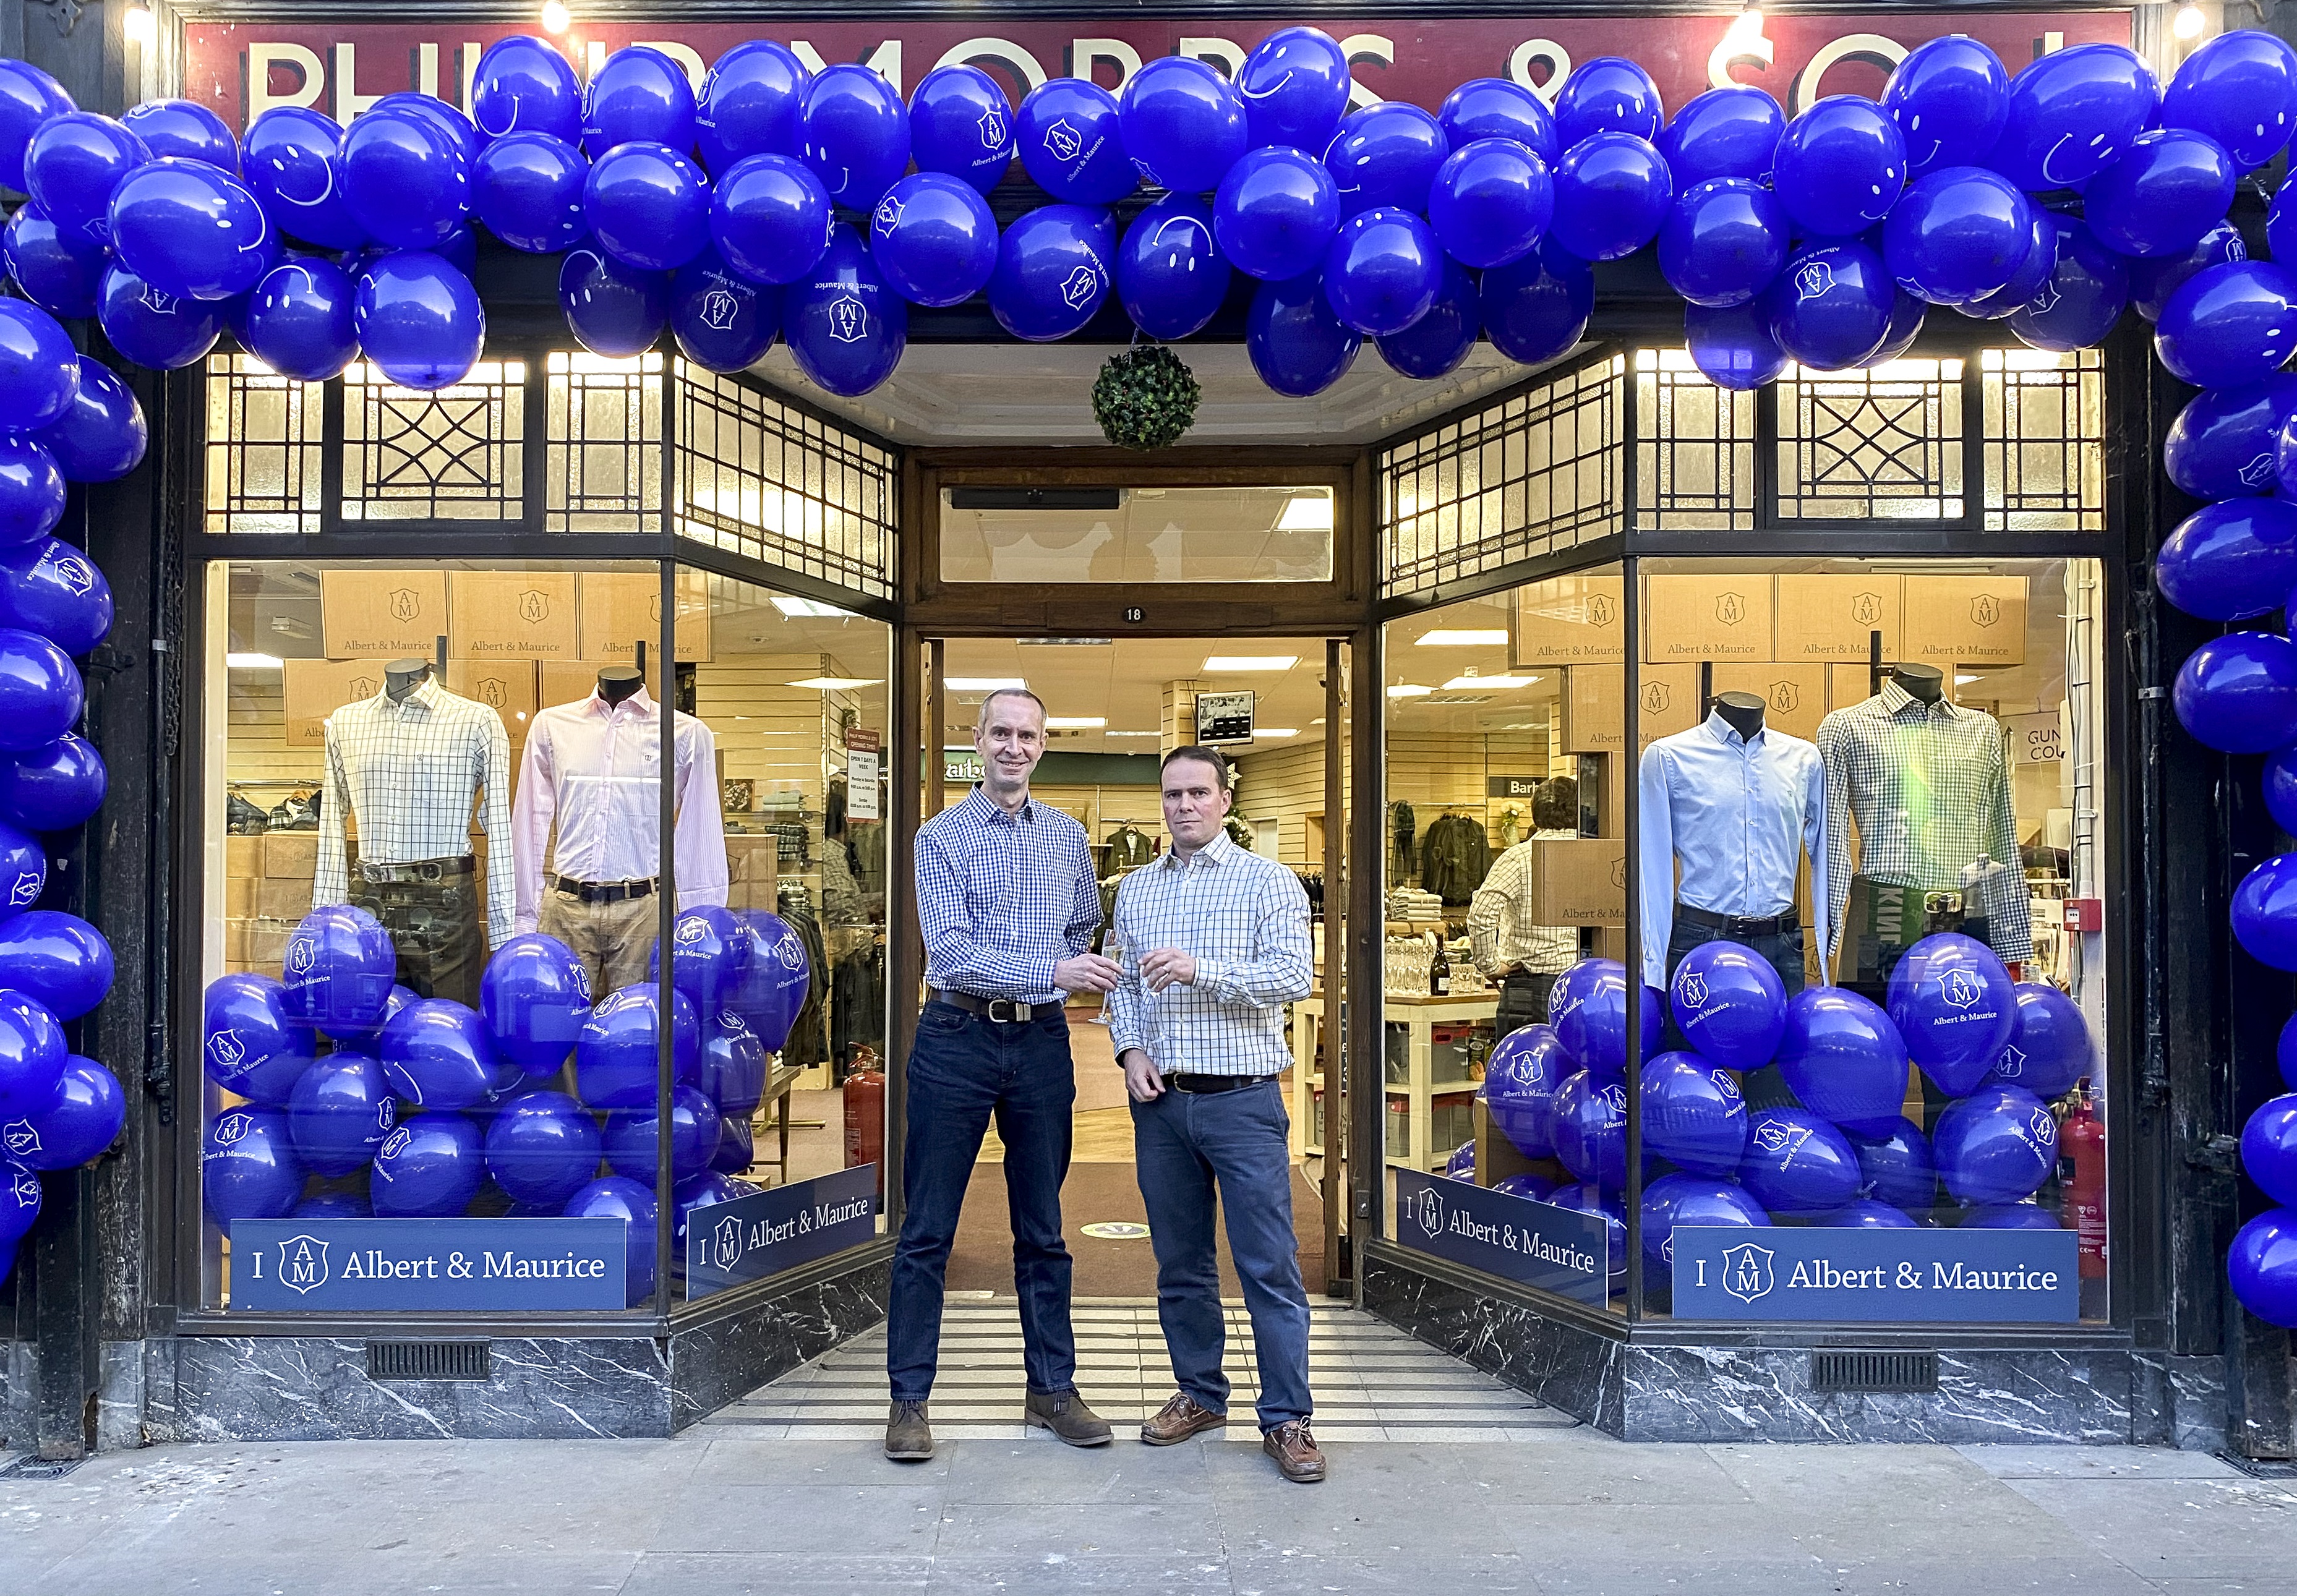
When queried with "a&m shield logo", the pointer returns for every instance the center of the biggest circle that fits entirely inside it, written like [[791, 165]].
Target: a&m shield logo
[[719, 308], [1866, 609], [227, 1052], [992, 127], [1985, 609], [230, 1127], [2041, 1130], [2257, 471], [1814, 278], [73, 574], [156, 301], [581, 973], [790, 952], [25, 1190], [302, 956], [534, 606], [889, 214], [1725, 1084], [404, 605], [20, 1138], [1694, 988], [692, 930], [1780, 1137], [726, 1242], [1784, 696], [1430, 1209], [1601, 609], [1746, 1272], [304, 1264], [26, 888], [1730, 608], [1959, 988], [1082, 284], [849, 319], [2012, 1065], [1063, 140]]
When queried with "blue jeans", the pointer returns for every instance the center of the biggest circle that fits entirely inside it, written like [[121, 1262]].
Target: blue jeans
[[963, 1068], [1184, 1146]]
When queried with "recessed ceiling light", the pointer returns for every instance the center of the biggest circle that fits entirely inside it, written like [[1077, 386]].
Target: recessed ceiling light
[[835, 684], [984, 684], [1275, 731], [1252, 662], [1468, 683], [1409, 689], [253, 661], [1131, 734], [1075, 723], [809, 608], [1464, 638]]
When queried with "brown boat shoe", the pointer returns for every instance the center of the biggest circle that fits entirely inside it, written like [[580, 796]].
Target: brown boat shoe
[[1178, 1419], [1295, 1452]]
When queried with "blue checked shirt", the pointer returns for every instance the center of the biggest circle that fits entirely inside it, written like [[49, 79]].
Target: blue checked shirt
[[1245, 920], [1002, 898]]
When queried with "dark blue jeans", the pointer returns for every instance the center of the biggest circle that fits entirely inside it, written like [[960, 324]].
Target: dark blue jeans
[[1197, 1152], [963, 1068]]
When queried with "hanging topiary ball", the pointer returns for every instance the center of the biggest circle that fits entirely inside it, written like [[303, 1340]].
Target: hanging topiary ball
[[1145, 398]]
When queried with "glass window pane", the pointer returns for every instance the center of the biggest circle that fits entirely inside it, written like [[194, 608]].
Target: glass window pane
[[456, 453], [994, 534]]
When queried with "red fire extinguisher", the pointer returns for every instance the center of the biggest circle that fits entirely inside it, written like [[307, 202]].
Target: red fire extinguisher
[[864, 1115], [2081, 1149]]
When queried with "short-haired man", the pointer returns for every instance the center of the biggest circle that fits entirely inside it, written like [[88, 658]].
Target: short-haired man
[[1214, 942], [1008, 905], [1525, 958]]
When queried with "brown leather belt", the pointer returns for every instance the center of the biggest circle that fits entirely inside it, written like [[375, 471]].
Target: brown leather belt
[[1005, 1011], [420, 869]]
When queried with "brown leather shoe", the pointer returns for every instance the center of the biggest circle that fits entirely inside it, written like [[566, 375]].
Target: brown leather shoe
[[1178, 1419], [909, 1437], [1064, 1414], [1295, 1452]]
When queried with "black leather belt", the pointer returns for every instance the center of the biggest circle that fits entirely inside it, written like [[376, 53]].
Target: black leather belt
[[420, 869], [1737, 925], [603, 892], [1005, 1011], [1192, 1081]]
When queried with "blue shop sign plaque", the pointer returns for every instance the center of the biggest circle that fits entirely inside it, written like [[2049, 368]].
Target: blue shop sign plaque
[[368, 1265], [1557, 1249], [766, 1232], [1961, 1276]]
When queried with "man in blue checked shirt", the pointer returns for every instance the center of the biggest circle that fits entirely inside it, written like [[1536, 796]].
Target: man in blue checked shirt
[[1008, 905], [1214, 942]]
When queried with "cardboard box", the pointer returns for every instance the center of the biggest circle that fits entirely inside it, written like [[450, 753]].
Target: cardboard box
[[508, 687], [620, 607], [242, 856], [313, 690], [1722, 616], [292, 856], [267, 943], [1848, 684], [1836, 617], [1965, 621], [383, 614], [513, 614], [1581, 881], [1592, 716], [277, 898], [239, 894], [1794, 696], [1568, 620]]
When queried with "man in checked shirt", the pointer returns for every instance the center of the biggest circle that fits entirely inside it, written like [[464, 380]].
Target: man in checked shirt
[[1213, 943]]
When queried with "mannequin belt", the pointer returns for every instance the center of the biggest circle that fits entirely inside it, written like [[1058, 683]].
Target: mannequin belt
[[603, 892], [420, 869], [1706, 920]]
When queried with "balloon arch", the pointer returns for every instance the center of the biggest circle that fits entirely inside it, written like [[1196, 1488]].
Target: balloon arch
[[779, 203]]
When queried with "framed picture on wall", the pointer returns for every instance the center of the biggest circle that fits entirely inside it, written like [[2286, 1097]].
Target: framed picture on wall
[[735, 798]]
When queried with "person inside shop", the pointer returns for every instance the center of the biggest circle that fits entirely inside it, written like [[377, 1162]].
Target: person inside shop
[[1216, 943], [593, 768], [1007, 907], [1523, 958]]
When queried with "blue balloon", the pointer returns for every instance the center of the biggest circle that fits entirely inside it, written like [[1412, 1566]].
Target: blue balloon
[[1585, 1199], [1461, 1163], [1722, 242], [1796, 1162], [1729, 132], [1612, 192], [2223, 443], [1276, 213], [1949, 98], [446, 119], [1383, 270], [961, 123], [648, 206], [1538, 307], [1170, 275], [32, 493], [1608, 95], [704, 1190], [710, 949], [845, 328], [723, 321], [407, 182], [40, 690], [1693, 1114], [335, 1205], [72, 166], [1295, 86], [2033, 272], [28, 98], [2281, 803], [2262, 1267], [776, 981], [611, 309], [292, 164], [1385, 154], [1185, 122], [1729, 1004], [770, 217], [419, 320], [733, 1066], [1906, 316], [1897, 1165], [640, 95], [737, 1148], [2153, 282], [339, 969], [535, 994], [1689, 1199], [856, 133], [2070, 114], [60, 272], [2236, 693], [1520, 1078], [632, 1139], [2265, 912], [1843, 1059], [1491, 202], [1995, 1146], [1868, 1215], [32, 1055], [52, 787], [58, 959], [252, 1045], [524, 84], [2083, 296], [2026, 1215], [299, 319], [542, 1148], [1071, 141], [1438, 341], [39, 369], [935, 238], [527, 187], [23, 873], [1733, 346], [1841, 166], [101, 439], [2238, 89], [184, 130], [1298, 345], [1961, 234], [615, 1057], [1524, 1185], [2049, 1046], [84, 1120], [1494, 108], [2229, 325], [753, 103], [1591, 1129], [248, 1167], [437, 1055], [616, 1197], [1588, 1008], [153, 328], [1952, 1000], [52, 589], [1831, 309], [339, 1112], [430, 1167], [1052, 271], [2161, 195]]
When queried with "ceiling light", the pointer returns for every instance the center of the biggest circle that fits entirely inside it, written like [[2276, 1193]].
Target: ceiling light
[[1963, 678], [1252, 662], [810, 608], [1132, 733], [554, 17], [1464, 639], [1409, 689], [1306, 513], [1460, 684], [836, 684], [1275, 731], [253, 661], [1075, 723], [986, 684], [1064, 642], [2189, 22]]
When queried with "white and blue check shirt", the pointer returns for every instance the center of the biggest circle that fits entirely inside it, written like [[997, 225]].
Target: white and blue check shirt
[[1003, 898], [1245, 920]]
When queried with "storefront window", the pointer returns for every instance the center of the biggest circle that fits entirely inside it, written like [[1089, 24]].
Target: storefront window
[[1137, 534]]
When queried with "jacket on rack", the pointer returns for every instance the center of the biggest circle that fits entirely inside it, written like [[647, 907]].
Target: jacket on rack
[[857, 1004], [1454, 857], [809, 1039], [1129, 848], [1404, 824]]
